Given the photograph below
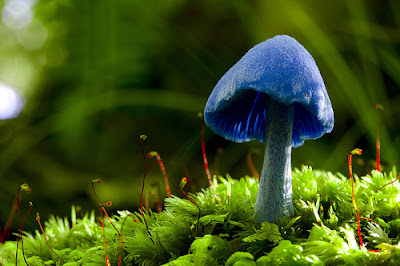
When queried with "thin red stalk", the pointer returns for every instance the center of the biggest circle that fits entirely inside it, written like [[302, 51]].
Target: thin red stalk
[[104, 236], [158, 202], [376, 251], [142, 138], [203, 148], [193, 203], [181, 185], [389, 183], [369, 219], [358, 152], [101, 205], [45, 238], [378, 144], [251, 165], [20, 224], [146, 202], [109, 220], [7, 228], [156, 195], [353, 152], [18, 210], [125, 219], [20, 236], [123, 223], [189, 179], [378, 150], [319, 221], [155, 154]]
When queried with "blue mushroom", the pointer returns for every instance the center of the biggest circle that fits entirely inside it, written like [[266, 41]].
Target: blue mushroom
[[274, 94]]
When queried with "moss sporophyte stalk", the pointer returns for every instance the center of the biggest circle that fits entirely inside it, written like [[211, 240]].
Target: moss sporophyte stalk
[[220, 225], [155, 154]]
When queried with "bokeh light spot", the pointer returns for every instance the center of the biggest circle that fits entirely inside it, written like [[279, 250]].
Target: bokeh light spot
[[17, 14], [33, 36], [10, 102]]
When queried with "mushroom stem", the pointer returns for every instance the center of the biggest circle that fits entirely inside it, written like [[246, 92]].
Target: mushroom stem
[[274, 198]]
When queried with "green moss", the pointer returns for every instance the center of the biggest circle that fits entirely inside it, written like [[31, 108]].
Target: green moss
[[322, 232]]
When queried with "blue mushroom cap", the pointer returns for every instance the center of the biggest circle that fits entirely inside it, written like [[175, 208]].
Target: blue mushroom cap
[[280, 68]]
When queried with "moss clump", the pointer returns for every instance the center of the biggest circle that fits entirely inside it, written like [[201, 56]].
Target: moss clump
[[322, 232]]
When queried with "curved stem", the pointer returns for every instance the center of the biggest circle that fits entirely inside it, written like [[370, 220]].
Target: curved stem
[[274, 198]]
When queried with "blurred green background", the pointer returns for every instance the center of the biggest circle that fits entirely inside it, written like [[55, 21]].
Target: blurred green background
[[96, 74]]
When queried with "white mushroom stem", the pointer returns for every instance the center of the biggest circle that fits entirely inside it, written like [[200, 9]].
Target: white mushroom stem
[[274, 198]]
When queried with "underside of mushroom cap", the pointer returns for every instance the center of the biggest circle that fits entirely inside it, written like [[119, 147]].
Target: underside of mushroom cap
[[280, 68]]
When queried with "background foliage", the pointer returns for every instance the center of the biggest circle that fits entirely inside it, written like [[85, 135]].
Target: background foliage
[[97, 74]]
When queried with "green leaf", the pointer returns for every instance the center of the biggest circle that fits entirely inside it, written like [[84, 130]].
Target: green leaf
[[288, 254], [376, 234], [240, 258], [268, 231], [213, 219]]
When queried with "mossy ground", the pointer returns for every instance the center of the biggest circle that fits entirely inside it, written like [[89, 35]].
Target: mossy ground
[[322, 232]]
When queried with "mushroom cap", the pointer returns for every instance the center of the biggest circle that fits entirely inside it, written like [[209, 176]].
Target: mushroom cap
[[279, 68]]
